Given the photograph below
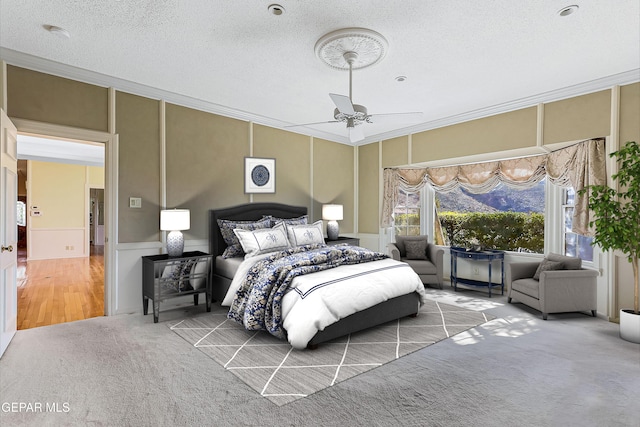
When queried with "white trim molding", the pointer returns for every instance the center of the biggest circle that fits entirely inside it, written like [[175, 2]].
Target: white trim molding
[[111, 189]]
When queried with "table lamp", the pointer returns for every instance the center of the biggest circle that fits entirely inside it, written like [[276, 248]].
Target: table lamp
[[333, 214], [175, 220]]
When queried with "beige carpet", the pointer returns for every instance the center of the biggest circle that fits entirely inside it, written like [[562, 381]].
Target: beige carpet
[[281, 374]]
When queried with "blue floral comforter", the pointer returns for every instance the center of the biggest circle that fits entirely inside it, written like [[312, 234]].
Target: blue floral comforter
[[257, 304]]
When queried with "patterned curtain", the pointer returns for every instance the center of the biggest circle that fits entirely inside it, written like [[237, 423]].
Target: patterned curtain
[[576, 166], [579, 166]]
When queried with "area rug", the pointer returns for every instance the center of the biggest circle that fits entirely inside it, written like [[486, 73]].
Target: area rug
[[281, 374]]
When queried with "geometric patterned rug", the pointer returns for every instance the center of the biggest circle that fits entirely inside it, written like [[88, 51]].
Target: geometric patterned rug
[[282, 374]]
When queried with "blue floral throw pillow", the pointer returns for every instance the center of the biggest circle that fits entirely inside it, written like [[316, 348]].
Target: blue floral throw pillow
[[301, 220]]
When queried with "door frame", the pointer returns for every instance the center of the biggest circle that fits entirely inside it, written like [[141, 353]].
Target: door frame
[[110, 140]]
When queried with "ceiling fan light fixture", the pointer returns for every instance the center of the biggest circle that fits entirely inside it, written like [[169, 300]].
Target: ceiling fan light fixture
[[360, 114]]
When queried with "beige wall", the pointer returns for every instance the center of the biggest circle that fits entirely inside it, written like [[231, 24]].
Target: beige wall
[[60, 193], [630, 113], [333, 180], [292, 153], [96, 176], [138, 127], [49, 99], [58, 190], [512, 130], [582, 117], [205, 163], [395, 152], [368, 188]]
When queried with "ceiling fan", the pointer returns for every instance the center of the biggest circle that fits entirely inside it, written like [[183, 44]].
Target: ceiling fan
[[341, 48]]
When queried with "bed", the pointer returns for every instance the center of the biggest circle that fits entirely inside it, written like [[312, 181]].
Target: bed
[[224, 271]]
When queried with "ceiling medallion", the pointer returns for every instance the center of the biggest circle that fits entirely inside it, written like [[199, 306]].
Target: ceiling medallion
[[369, 45]]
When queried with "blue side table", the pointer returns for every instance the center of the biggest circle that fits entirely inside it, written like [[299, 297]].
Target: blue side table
[[487, 256]]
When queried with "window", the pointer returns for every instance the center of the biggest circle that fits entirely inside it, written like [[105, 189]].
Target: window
[[504, 218], [574, 244], [407, 214], [21, 214]]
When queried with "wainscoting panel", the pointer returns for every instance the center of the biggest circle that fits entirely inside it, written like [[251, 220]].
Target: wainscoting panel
[[46, 243], [371, 241]]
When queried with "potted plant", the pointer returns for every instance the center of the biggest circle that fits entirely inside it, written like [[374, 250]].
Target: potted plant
[[617, 224]]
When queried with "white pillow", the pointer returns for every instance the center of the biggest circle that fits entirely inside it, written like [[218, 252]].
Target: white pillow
[[308, 234], [261, 241]]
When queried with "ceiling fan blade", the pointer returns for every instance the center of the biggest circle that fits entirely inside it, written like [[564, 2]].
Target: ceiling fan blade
[[356, 133], [312, 124], [391, 118], [343, 103]]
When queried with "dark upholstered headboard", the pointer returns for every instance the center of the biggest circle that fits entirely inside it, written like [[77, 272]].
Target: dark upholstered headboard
[[247, 212]]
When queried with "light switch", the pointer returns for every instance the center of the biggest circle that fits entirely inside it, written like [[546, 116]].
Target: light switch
[[135, 202]]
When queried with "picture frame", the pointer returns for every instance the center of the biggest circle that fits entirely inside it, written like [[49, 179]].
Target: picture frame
[[259, 175]]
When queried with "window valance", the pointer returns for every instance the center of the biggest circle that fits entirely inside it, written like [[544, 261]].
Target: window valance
[[577, 166]]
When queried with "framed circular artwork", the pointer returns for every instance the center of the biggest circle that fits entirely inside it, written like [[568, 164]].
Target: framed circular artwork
[[259, 175]]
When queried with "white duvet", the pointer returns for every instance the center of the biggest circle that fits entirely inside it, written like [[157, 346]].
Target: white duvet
[[320, 299]]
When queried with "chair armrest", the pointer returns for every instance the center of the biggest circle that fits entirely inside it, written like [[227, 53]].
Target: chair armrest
[[436, 256], [520, 270], [568, 290], [435, 253], [393, 251]]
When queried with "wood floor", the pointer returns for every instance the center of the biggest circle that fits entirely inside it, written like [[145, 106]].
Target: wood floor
[[60, 290]]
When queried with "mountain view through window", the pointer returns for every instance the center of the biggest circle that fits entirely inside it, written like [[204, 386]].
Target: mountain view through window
[[504, 218]]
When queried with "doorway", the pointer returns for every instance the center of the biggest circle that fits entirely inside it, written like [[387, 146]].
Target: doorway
[[96, 216], [61, 262]]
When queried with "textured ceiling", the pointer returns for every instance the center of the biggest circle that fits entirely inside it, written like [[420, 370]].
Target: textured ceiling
[[462, 58]]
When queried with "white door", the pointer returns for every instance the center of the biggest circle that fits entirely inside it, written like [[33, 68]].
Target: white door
[[8, 231]]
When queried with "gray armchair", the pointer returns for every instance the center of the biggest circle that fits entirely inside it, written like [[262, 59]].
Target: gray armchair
[[558, 284], [425, 258]]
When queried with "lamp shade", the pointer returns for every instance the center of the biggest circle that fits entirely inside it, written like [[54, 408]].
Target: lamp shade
[[332, 212], [175, 219]]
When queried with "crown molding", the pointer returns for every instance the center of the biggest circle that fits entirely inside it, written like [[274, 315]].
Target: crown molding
[[35, 63]]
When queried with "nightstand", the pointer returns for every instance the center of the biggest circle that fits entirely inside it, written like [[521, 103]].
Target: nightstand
[[165, 277], [354, 241]]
